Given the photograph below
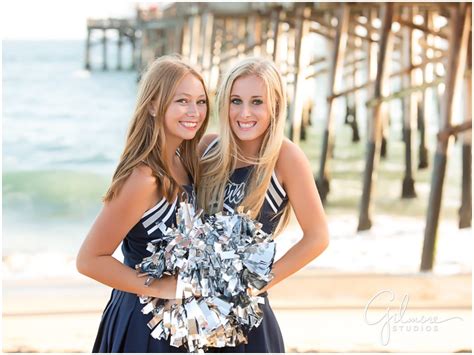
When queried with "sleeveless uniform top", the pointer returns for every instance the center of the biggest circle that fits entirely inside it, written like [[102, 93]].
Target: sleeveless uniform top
[[151, 226], [235, 191], [123, 327], [267, 337]]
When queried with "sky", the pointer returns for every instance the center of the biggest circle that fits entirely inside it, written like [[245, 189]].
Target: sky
[[57, 19]]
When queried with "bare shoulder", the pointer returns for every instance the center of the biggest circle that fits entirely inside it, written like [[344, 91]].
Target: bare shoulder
[[205, 141], [291, 159], [141, 184], [290, 150], [144, 175]]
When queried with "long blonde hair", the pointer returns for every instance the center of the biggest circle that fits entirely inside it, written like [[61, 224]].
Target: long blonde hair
[[146, 141], [219, 163]]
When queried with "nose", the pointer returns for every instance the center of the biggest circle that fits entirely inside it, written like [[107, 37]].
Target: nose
[[193, 110], [245, 111]]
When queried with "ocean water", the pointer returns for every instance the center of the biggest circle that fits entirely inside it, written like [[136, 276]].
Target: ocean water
[[63, 132]]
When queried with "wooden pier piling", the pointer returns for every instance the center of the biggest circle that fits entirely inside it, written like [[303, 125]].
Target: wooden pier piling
[[335, 77], [87, 51], [427, 97], [465, 211], [104, 49], [301, 63], [410, 105], [381, 89], [460, 26]]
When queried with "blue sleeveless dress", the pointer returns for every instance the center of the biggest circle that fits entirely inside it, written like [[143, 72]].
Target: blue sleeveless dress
[[123, 327], [267, 337]]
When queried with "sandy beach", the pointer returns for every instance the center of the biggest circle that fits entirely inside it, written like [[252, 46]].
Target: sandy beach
[[317, 311], [322, 308]]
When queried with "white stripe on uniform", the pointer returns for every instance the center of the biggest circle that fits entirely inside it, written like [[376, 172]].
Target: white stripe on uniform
[[277, 183], [271, 203]]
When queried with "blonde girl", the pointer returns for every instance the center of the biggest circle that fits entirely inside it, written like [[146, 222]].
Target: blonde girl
[[251, 164], [159, 164]]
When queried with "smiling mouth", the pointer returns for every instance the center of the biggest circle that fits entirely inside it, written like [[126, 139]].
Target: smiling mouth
[[246, 125], [188, 124]]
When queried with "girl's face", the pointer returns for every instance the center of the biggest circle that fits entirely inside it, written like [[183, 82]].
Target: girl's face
[[187, 110], [249, 114]]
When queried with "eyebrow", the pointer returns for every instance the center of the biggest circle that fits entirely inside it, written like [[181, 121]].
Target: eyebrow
[[255, 96], [188, 95]]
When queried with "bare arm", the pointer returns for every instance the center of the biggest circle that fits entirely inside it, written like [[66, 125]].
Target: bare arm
[[297, 178], [116, 218]]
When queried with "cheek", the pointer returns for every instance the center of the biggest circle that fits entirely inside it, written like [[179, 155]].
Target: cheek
[[202, 111], [167, 122], [233, 112], [172, 115], [171, 112], [266, 125], [264, 115]]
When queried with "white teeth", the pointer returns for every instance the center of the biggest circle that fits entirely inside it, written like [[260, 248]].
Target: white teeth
[[247, 125], [189, 124]]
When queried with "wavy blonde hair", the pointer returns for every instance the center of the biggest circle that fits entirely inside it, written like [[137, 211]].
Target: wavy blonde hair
[[146, 140], [218, 165]]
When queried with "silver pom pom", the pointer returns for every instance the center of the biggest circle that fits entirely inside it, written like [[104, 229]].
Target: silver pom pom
[[220, 262]]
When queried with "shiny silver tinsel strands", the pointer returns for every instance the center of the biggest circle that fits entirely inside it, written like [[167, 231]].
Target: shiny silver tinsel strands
[[219, 262]]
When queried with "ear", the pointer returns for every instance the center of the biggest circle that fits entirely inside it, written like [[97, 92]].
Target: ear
[[152, 109]]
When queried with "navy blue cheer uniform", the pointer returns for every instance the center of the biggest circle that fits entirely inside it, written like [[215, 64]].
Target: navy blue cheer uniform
[[266, 338], [123, 327]]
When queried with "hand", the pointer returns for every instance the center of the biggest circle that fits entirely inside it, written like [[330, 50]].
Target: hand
[[164, 287], [254, 292]]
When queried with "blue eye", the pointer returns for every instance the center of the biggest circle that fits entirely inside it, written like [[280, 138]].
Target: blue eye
[[236, 101], [257, 102]]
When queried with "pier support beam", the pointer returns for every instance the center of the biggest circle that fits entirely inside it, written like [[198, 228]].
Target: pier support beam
[[178, 37], [385, 130], [195, 39], [254, 35], [258, 50], [205, 34], [104, 49], [301, 62], [465, 211], [119, 50], [352, 99], [423, 161], [410, 105], [136, 54], [460, 25], [88, 50], [381, 89], [372, 59], [427, 97], [335, 76], [275, 28], [207, 45]]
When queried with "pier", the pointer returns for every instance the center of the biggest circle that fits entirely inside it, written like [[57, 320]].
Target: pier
[[125, 31], [415, 52]]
